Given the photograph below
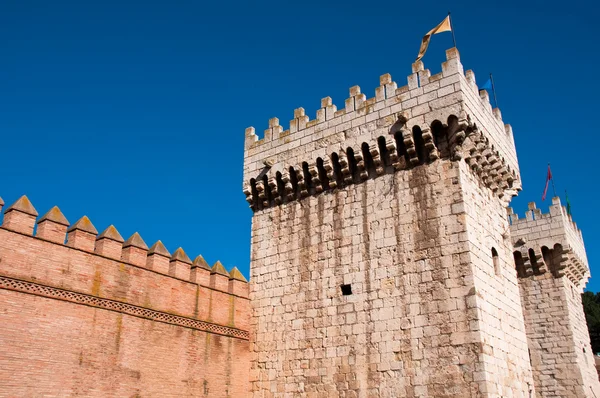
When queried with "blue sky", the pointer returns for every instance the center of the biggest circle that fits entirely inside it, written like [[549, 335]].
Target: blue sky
[[133, 112]]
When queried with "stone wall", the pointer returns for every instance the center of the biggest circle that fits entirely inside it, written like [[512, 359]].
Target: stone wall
[[552, 265], [382, 340], [100, 317], [377, 199], [422, 320], [496, 303]]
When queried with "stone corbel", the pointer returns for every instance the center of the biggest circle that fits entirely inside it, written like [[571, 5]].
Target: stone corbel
[[427, 135], [374, 150]]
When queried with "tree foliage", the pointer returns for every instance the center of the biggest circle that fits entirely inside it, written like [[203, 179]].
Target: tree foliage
[[591, 307]]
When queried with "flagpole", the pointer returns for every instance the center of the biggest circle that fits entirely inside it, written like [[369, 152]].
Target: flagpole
[[452, 29], [494, 91], [552, 179]]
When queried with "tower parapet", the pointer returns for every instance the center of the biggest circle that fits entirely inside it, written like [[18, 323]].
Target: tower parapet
[[442, 115], [549, 242]]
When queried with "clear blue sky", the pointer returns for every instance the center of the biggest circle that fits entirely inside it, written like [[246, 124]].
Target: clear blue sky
[[133, 112]]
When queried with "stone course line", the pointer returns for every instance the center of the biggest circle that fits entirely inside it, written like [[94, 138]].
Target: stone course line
[[79, 298]]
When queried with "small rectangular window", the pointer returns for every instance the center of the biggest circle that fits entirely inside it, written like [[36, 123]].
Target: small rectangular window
[[346, 289]]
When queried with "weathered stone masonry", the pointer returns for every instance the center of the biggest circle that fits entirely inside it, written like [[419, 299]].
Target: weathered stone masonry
[[100, 317], [553, 270], [401, 199]]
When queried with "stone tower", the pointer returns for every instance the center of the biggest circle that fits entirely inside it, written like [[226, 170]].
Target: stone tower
[[553, 270], [382, 262]]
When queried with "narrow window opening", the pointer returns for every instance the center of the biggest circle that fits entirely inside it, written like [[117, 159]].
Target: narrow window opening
[[519, 264], [420, 145], [294, 180], [280, 186], [496, 262], [440, 138], [268, 194], [534, 264], [383, 152], [346, 290], [307, 178], [337, 169], [547, 258], [557, 259], [401, 148], [322, 174], [369, 163]]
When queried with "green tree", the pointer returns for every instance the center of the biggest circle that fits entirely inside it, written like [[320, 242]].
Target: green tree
[[591, 307]]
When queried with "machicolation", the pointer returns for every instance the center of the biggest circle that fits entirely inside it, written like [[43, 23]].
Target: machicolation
[[402, 127]]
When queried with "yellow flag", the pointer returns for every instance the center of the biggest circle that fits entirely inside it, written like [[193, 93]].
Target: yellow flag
[[444, 26]]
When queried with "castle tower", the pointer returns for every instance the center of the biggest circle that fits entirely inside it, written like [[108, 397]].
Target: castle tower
[[553, 270], [381, 262]]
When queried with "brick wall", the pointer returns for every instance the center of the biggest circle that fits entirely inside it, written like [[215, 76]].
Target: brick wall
[[76, 322]]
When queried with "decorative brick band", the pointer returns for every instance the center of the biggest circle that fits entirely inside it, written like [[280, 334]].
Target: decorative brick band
[[141, 312]]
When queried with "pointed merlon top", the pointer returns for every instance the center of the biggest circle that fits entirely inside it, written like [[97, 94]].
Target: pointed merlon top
[[136, 240], [179, 255], [112, 234], [160, 249], [23, 205], [237, 275], [83, 224], [201, 262], [56, 216], [218, 268]]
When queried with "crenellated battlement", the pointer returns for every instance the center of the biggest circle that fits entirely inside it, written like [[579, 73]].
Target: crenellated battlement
[[549, 242], [54, 227], [433, 116], [151, 281], [100, 315]]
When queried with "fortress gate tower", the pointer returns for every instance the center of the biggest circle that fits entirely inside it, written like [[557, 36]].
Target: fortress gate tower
[[382, 262]]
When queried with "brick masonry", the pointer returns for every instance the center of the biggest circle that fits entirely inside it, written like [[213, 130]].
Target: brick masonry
[[77, 320]]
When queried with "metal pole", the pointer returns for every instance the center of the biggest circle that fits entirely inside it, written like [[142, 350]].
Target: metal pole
[[452, 29], [494, 90]]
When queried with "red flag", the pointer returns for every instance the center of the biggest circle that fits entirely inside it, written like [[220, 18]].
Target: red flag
[[548, 178]]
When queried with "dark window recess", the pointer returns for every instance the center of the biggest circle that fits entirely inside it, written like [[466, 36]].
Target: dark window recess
[[346, 290]]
